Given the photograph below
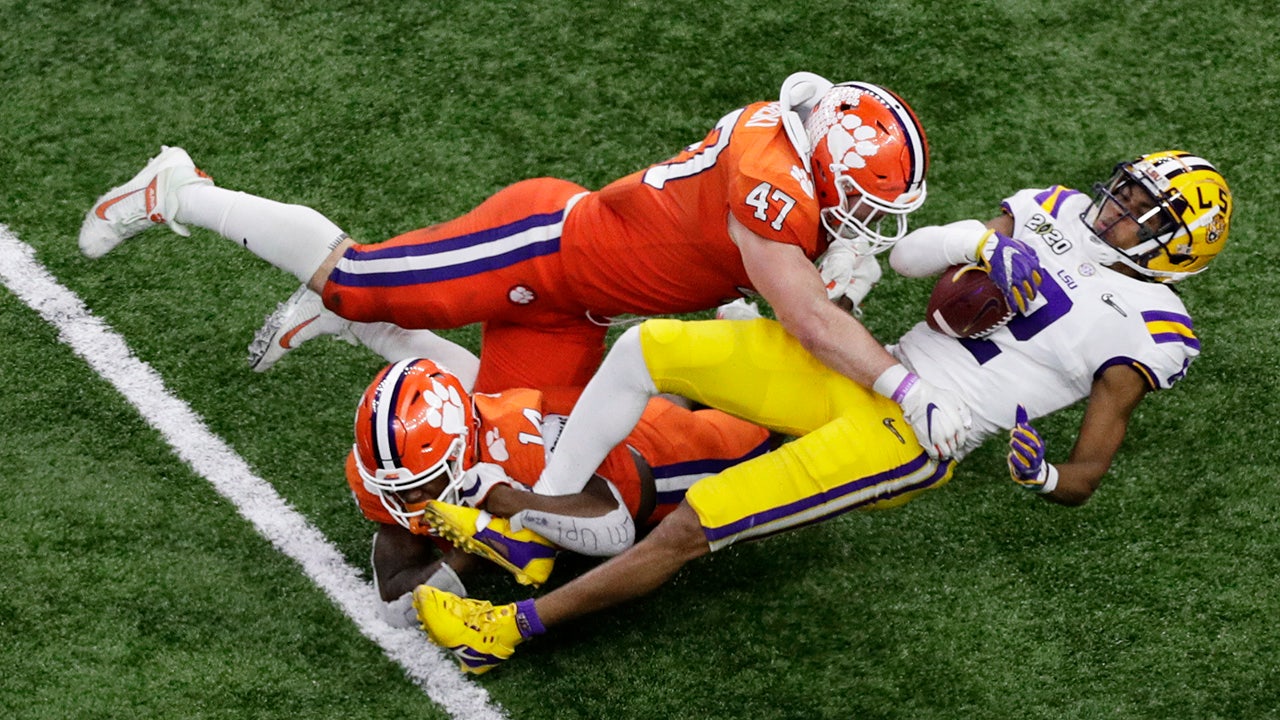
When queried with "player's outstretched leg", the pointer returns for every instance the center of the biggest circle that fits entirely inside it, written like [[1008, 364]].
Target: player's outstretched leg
[[148, 199]]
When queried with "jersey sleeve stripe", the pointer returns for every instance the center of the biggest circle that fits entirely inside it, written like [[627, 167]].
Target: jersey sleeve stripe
[[1052, 198], [1137, 365], [1168, 327]]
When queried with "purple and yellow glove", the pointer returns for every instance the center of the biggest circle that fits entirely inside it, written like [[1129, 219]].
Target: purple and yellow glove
[[1014, 267], [1027, 466]]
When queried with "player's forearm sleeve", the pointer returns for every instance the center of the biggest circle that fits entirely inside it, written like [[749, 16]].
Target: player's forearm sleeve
[[929, 250]]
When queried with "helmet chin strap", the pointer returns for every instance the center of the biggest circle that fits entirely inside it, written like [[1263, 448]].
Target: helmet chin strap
[[1107, 255]]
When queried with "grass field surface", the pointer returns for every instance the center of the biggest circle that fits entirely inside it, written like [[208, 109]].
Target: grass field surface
[[133, 586]]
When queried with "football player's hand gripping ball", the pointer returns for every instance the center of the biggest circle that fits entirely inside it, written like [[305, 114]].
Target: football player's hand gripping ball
[[1027, 466], [1013, 265]]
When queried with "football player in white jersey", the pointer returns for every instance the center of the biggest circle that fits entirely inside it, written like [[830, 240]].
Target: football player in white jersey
[[1096, 320]]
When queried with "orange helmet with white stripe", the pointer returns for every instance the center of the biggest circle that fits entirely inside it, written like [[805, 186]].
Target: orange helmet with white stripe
[[412, 427], [869, 161]]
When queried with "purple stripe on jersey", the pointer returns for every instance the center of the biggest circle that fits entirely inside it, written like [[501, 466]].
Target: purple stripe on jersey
[[429, 275], [480, 237], [795, 508], [1166, 316], [1137, 365], [1171, 337]]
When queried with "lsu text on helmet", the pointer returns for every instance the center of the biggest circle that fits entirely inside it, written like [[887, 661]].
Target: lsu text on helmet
[[412, 427], [1182, 207], [869, 162]]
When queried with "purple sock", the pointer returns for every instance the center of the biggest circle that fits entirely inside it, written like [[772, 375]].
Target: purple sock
[[527, 619]]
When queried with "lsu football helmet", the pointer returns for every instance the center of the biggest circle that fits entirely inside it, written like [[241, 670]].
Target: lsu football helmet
[[1182, 207], [869, 160], [413, 425]]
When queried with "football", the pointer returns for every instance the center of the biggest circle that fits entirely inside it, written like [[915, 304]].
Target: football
[[966, 303]]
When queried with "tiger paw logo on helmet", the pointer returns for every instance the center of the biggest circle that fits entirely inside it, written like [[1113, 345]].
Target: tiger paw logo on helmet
[[850, 142], [444, 408]]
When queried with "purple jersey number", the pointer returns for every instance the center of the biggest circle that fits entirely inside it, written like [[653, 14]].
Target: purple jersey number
[[1025, 327]]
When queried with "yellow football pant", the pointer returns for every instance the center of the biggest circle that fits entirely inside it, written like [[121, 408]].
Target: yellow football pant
[[853, 449]]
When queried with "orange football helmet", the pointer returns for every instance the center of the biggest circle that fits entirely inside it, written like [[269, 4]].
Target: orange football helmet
[[869, 160], [413, 426]]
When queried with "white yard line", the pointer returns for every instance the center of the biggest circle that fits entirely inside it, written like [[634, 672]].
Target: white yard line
[[255, 499]]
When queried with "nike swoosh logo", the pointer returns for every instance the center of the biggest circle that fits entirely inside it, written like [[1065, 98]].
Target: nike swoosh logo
[[286, 339], [1108, 299], [101, 210], [928, 414]]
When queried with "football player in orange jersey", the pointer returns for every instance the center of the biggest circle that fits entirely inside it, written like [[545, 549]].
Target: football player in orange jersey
[[748, 209], [420, 436]]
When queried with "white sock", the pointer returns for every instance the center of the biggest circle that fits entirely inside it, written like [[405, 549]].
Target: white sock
[[294, 238], [396, 343], [609, 408]]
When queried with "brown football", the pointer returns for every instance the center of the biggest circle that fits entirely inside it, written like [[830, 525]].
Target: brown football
[[966, 303]]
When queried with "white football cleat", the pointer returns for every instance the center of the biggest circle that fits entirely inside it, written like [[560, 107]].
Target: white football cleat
[[149, 199], [296, 320]]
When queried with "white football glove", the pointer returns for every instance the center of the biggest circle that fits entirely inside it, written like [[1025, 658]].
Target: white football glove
[[848, 273], [479, 480], [938, 417], [739, 309]]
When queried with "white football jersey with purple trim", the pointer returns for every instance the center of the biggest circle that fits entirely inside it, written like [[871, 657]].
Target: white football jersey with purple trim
[[1086, 318]]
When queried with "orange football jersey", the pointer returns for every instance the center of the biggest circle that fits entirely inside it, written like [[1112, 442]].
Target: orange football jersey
[[657, 241], [514, 425]]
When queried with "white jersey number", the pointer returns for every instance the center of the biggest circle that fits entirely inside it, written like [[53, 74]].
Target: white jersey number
[[759, 199]]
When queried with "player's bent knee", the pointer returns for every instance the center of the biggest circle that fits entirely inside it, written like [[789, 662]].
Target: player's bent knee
[[680, 534]]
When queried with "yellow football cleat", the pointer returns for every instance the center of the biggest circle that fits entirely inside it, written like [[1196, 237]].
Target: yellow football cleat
[[478, 634], [525, 554]]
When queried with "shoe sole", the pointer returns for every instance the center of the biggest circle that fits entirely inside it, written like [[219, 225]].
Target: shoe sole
[[269, 343], [463, 540]]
